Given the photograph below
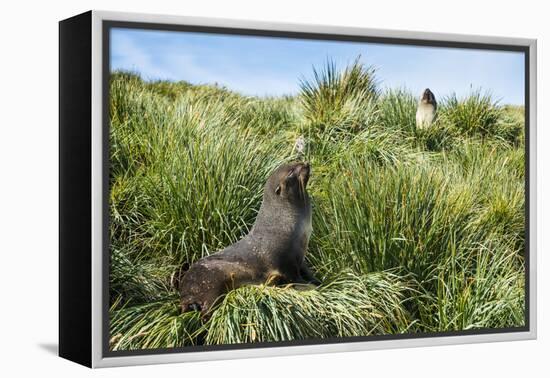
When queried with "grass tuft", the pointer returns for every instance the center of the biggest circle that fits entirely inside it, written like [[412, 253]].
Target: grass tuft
[[340, 101], [477, 114]]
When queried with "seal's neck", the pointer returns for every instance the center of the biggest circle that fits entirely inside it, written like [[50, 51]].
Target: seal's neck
[[281, 217]]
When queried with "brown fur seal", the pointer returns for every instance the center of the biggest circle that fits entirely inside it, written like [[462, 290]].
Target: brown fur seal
[[425, 113], [273, 251]]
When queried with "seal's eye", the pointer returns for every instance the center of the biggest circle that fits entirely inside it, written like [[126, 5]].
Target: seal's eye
[[290, 173], [278, 190]]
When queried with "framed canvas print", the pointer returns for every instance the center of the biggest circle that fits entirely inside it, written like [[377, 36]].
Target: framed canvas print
[[236, 189]]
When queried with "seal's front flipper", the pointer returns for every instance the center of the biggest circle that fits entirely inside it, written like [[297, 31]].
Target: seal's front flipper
[[307, 276]]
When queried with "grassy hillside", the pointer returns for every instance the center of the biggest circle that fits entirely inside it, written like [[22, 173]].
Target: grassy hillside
[[413, 231]]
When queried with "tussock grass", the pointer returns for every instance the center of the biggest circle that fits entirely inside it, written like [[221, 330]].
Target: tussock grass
[[337, 101], [350, 305], [476, 114], [398, 110], [479, 287], [266, 117], [152, 325], [413, 230], [136, 279]]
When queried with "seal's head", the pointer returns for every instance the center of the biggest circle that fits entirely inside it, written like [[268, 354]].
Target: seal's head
[[288, 183], [428, 97]]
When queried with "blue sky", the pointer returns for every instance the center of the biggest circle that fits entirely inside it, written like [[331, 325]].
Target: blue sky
[[266, 66]]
